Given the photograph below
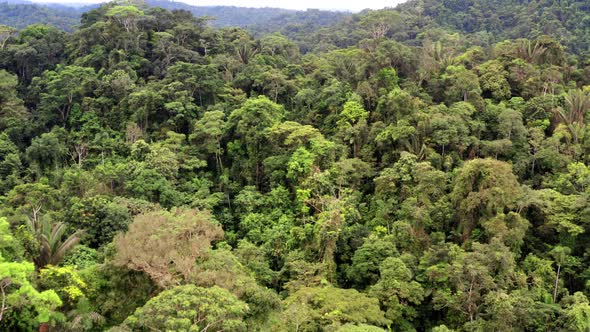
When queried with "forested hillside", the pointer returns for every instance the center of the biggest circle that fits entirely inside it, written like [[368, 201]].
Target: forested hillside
[[266, 19], [480, 23], [19, 14], [404, 173]]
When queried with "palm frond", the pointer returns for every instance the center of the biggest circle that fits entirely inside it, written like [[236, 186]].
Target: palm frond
[[65, 246]]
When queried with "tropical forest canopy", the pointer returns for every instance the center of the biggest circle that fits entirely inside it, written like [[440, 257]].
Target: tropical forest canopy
[[422, 168]]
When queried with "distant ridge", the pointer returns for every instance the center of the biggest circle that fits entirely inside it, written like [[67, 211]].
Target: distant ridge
[[20, 13]]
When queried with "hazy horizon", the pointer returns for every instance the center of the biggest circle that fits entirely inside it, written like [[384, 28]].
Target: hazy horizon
[[289, 4]]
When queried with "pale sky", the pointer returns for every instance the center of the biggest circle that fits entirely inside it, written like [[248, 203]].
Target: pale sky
[[289, 4]]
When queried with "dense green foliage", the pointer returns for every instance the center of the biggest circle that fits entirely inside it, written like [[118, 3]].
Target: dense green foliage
[[160, 174], [501, 19]]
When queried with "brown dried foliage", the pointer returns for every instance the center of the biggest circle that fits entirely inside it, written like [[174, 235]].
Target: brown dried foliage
[[166, 245]]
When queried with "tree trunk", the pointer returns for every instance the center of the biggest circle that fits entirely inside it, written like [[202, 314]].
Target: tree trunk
[[556, 283], [3, 308]]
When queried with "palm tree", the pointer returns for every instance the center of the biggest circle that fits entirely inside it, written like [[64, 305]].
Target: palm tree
[[530, 51], [50, 237], [577, 104]]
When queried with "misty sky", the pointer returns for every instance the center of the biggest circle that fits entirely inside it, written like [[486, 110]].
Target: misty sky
[[303, 4], [290, 4]]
